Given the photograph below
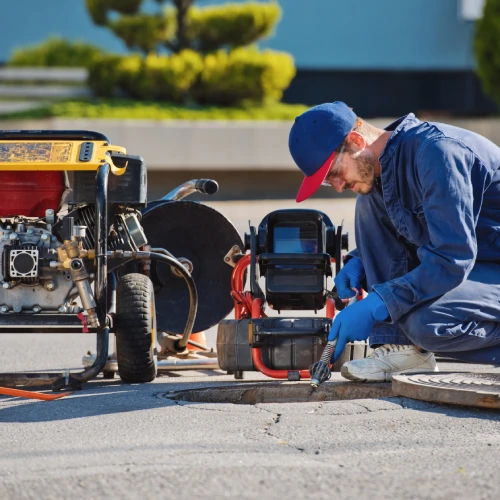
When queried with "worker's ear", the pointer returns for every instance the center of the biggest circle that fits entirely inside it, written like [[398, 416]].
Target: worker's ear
[[355, 138]]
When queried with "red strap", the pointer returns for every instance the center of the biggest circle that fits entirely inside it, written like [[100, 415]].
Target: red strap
[[83, 319]]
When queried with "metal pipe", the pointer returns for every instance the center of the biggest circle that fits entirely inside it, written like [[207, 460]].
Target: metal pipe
[[188, 364], [205, 186], [193, 294], [185, 262], [101, 239], [113, 285]]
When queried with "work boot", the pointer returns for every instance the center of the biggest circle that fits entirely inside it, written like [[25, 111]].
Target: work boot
[[388, 360]]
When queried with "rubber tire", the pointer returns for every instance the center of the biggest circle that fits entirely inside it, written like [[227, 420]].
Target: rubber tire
[[135, 329]]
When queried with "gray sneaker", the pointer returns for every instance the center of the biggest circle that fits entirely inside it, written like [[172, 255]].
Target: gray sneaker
[[388, 360]]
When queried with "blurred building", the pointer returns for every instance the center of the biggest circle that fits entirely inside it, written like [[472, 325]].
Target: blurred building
[[387, 57]]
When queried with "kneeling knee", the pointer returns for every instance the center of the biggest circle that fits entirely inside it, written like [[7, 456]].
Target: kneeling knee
[[425, 332]]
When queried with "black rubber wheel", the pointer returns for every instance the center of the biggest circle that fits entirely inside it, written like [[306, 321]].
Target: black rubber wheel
[[135, 329]]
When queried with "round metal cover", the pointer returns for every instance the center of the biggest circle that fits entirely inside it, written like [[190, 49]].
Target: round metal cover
[[468, 389], [204, 236]]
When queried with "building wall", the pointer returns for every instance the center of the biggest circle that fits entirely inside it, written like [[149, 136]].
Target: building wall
[[321, 34], [383, 57]]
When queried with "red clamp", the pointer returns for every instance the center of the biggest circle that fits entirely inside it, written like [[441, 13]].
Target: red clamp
[[83, 319]]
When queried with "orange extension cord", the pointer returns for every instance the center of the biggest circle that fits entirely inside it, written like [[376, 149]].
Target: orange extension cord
[[32, 395]]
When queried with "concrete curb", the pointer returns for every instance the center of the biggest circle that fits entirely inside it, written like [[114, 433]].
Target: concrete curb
[[212, 145]]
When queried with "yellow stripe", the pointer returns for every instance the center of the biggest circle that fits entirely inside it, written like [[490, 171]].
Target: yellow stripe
[[56, 155]]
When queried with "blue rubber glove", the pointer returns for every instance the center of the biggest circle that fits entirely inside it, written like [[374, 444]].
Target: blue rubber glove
[[356, 321], [350, 276]]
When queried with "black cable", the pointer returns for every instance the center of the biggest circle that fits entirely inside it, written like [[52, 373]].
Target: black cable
[[193, 293]]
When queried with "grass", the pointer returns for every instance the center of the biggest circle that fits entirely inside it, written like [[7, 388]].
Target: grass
[[119, 109]]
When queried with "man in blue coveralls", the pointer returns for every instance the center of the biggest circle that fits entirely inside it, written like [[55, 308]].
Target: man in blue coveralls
[[427, 227]]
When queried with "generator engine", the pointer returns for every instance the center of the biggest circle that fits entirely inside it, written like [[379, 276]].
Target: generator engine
[[55, 260], [27, 250]]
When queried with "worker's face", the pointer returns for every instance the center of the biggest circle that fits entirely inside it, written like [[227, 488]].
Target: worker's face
[[353, 168]]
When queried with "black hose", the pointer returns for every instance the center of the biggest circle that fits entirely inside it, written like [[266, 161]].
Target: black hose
[[193, 293]]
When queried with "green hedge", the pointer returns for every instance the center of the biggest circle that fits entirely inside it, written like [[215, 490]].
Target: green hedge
[[165, 78], [56, 52], [226, 79], [120, 109], [143, 31], [232, 25], [244, 74], [104, 75], [487, 49]]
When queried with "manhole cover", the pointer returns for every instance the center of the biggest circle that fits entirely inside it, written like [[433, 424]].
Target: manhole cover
[[250, 394], [468, 389]]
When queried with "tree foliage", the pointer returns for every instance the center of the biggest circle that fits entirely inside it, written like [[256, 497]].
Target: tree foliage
[[211, 62], [56, 52], [487, 49], [180, 25]]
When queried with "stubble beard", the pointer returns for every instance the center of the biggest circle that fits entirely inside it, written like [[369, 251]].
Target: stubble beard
[[366, 173]]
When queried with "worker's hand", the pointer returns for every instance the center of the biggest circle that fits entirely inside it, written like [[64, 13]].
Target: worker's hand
[[350, 277], [356, 321]]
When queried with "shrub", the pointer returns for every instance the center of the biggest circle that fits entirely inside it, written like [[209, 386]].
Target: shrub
[[104, 75], [244, 74], [56, 52], [166, 78], [232, 25], [99, 9], [143, 31], [487, 49], [170, 78]]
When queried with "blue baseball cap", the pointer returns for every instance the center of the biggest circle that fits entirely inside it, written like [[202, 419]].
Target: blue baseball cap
[[314, 137]]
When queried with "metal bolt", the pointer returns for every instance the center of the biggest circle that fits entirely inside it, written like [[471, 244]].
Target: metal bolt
[[120, 229], [4, 309], [5, 285], [45, 237], [37, 309], [49, 285], [30, 231], [62, 309], [13, 236], [18, 309]]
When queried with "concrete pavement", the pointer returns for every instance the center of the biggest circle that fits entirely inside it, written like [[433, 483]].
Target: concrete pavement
[[113, 440]]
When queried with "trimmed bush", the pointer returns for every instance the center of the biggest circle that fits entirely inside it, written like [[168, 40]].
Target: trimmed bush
[[104, 75], [164, 78], [244, 74], [487, 49], [99, 9], [231, 25], [171, 78], [56, 52], [143, 31]]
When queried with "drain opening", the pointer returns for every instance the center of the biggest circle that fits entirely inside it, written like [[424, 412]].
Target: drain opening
[[251, 394]]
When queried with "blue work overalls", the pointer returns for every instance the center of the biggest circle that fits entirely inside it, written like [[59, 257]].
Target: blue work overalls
[[429, 239]]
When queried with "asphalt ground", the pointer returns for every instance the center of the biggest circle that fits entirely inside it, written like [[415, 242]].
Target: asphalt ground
[[114, 440]]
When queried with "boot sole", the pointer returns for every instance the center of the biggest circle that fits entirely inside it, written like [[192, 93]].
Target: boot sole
[[373, 377], [381, 376]]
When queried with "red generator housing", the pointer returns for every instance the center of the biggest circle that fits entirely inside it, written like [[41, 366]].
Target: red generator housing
[[30, 193]]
